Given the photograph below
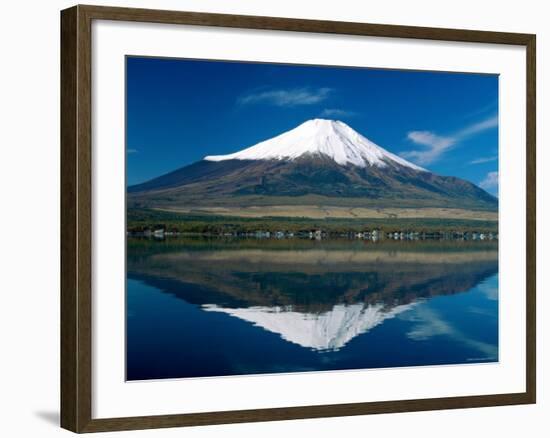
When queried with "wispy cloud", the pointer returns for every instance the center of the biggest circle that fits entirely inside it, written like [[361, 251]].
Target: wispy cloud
[[490, 291], [490, 181], [435, 145], [287, 98], [491, 122], [429, 324], [484, 160], [336, 112], [132, 151], [490, 107]]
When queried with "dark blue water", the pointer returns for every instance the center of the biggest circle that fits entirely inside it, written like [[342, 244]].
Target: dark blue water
[[200, 308]]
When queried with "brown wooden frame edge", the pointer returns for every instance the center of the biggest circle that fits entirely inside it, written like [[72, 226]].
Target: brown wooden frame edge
[[76, 225]]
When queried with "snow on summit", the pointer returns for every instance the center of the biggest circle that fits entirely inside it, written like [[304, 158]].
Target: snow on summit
[[330, 138], [328, 331]]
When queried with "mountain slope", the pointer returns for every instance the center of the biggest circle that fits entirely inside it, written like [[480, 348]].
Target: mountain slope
[[319, 294], [328, 331], [319, 137], [319, 162]]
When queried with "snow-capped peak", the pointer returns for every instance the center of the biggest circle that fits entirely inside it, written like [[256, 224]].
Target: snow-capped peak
[[330, 138], [328, 331]]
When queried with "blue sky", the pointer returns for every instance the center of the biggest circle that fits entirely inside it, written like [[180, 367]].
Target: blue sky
[[178, 111]]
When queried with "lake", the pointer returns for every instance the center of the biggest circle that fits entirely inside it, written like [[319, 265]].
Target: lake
[[199, 307]]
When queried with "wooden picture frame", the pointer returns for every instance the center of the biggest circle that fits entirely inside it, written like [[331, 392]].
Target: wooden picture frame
[[76, 218]]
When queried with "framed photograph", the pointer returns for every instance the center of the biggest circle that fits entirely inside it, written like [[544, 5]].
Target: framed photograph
[[269, 218]]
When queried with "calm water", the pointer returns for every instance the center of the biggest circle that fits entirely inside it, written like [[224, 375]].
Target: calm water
[[199, 307]]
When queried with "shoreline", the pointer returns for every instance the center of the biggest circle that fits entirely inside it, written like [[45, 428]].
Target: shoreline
[[161, 234]]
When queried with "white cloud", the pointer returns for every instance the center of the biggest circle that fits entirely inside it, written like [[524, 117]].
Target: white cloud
[[484, 160], [287, 98], [490, 107], [132, 151], [336, 112], [434, 145], [491, 122], [429, 324], [491, 292], [490, 181]]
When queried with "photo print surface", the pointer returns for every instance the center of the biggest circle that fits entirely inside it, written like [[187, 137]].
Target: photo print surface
[[295, 218]]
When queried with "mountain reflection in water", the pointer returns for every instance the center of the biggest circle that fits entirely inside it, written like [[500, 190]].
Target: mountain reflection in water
[[285, 306]]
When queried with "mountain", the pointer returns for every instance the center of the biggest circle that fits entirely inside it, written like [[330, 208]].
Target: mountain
[[320, 162], [320, 295], [321, 138], [329, 331]]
